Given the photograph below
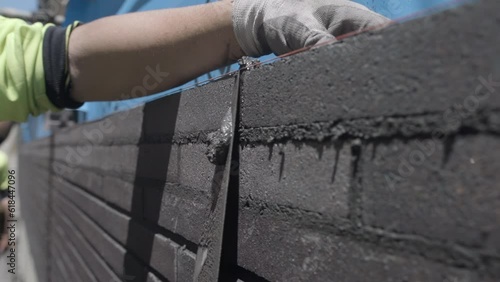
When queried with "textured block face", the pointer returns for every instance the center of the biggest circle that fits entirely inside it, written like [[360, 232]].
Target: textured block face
[[165, 260], [182, 210], [185, 265], [131, 191], [287, 249], [198, 110], [314, 179], [449, 193], [423, 220], [424, 66], [67, 255], [35, 209], [94, 262]]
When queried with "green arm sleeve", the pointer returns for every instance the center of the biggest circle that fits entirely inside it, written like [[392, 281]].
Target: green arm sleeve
[[22, 79], [4, 172]]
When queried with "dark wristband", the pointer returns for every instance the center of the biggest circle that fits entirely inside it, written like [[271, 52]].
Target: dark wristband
[[57, 83]]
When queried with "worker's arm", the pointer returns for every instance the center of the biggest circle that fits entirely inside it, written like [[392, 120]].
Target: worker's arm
[[112, 58], [143, 53], [127, 56]]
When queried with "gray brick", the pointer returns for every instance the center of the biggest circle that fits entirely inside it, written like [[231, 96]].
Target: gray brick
[[118, 159], [289, 250], [164, 257], [58, 276], [124, 127], [110, 189], [155, 249], [81, 270], [199, 109], [59, 272], [420, 188], [77, 269], [98, 266], [185, 265], [182, 210], [61, 260], [312, 178], [89, 180], [113, 222], [119, 192], [110, 250], [423, 66], [185, 164], [161, 254], [153, 278], [32, 190]]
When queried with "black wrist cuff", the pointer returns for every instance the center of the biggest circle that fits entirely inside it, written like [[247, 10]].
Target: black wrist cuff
[[55, 61]]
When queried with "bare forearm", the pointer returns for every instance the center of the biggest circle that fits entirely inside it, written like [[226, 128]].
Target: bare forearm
[[113, 58]]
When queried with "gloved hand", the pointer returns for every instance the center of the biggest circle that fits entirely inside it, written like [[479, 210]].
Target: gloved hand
[[281, 26]]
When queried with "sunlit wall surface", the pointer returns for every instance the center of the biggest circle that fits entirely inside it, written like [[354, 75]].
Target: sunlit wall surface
[[85, 11]]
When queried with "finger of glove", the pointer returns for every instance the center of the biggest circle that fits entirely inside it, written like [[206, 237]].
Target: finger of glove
[[345, 17], [288, 33]]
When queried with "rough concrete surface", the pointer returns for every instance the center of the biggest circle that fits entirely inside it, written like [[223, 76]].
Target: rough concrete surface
[[303, 250], [301, 176], [450, 194]]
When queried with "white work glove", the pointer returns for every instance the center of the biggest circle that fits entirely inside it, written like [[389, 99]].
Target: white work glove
[[282, 26]]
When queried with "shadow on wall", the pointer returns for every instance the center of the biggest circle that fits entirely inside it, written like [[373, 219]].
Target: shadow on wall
[[155, 147]]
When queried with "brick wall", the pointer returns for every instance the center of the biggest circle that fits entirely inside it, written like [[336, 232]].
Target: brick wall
[[374, 159]]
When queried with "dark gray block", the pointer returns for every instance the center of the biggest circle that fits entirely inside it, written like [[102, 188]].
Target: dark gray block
[[162, 254], [107, 248], [153, 278], [183, 208], [289, 250], [445, 193], [62, 262], [32, 190], [423, 66], [197, 110], [110, 220], [89, 180], [59, 270], [95, 262], [164, 257], [62, 252], [154, 249], [119, 192], [187, 164], [314, 178], [119, 128], [185, 265]]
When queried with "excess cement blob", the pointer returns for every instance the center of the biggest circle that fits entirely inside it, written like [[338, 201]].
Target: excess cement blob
[[220, 140]]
